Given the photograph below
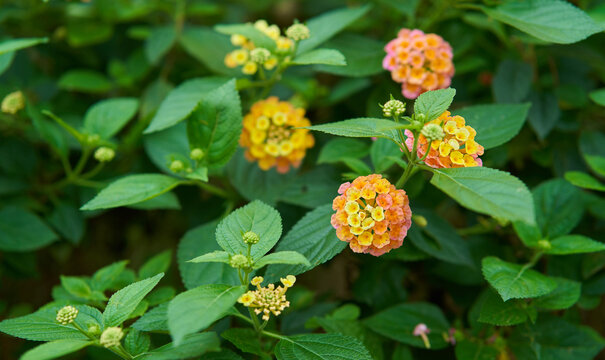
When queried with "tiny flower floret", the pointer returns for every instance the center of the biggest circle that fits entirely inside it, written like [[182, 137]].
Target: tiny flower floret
[[432, 132], [393, 108], [298, 32], [239, 261], [419, 61], [267, 300], [457, 148], [250, 238], [371, 215], [67, 315], [196, 154], [273, 135], [104, 154], [13, 102], [260, 55], [422, 330], [111, 337]]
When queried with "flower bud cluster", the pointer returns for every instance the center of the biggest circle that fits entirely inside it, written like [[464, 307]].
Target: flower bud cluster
[[13, 102], [268, 300], [67, 315], [393, 108], [111, 337]]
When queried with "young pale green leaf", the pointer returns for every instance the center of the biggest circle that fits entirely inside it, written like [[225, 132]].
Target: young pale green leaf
[[488, 191], [215, 126], [192, 346], [495, 123], [314, 238], [125, 301], [584, 180], [259, 38], [398, 323], [257, 217], [76, 286], [574, 244], [433, 103], [107, 117], [512, 81], [155, 319], [160, 263], [362, 127], [321, 347], [598, 96], [196, 309], [201, 240], [559, 207], [467, 349], [282, 257], [55, 349], [514, 281], [136, 342], [87, 81], [320, 56], [11, 45], [497, 312], [159, 42], [21, 230], [554, 21], [181, 102], [529, 234], [337, 149], [363, 56], [323, 27], [132, 189], [215, 256], [564, 296]]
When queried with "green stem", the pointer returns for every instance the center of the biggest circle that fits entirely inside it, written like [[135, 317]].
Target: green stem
[[275, 336], [86, 151], [212, 189], [94, 171], [254, 319], [123, 351], [75, 133], [83, 331]]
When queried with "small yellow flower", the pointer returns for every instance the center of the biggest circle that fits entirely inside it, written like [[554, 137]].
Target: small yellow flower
[[257, 280], [13, 102], [240, 56], [250, 68], [450, 127], [271, 63], [246, 299], [351, 207], [268, 300], [284, 44], [238, 40], [288, 281], [457, 158]]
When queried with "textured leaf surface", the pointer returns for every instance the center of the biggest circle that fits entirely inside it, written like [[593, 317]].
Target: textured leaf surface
[[282, 257], [321, 347], [434, 103], [361, 127], [574, 244], [125, 301], [107, 117], [192, 346], [321, 56], [55, 349], [558, 206]]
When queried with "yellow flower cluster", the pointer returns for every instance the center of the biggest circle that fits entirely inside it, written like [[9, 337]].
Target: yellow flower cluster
[[250, 56], [272, 134], [268, 300]]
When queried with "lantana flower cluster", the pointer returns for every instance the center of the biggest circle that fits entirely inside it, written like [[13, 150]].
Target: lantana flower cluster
[[268, 300], [371, 215], [272, 134], [458, 147], [250, 56], [420, 62]]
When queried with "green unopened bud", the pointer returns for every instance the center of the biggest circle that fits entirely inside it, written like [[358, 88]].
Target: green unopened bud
[[432, 132], [544, 244], [177, 166], [13, 102], [251, 238], [421, 117], [260, 55], [393, 108], [298, 32], [67, 315], [196, 154], [94, 329], [92, 139], [104, 154], [111, 337], [239, 261], [420, 220]]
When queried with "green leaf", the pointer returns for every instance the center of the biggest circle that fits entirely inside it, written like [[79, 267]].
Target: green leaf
[[382, 153], [215, 127], [76, 286], [155, 319], [160, 263], [337, 149], [363, 56], [245, 340], [495, 123], [87, 81], [467, 349], [282, 257], [584, 180], [313, 237], [544, 113], [132, 189], [514, 281], [321, 347], [191, 346], [565, 295], [362, 127], [159, 42], [555, 21], [529, 234], [196, 309], [497, 312], [257, 217], [21, 230], [312, 188], [259, 38], [11, 45], [124, 302], [434, 103], [181, 102], [166, 201], [209, 47], [107, 117], [488, 191], [512, 81], [598, 96], [323, 27], [591, 146], [349, 326], [87, 31], [69, 222], [398, 323], [55, 349], [574, 244], [321, 56], [106, 277], [136, 342], [559, 207], [215, 256]]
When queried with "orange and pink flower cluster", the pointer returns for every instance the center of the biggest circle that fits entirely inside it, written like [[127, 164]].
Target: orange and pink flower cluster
[[420, 62], [371, 215], [457, 149]]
